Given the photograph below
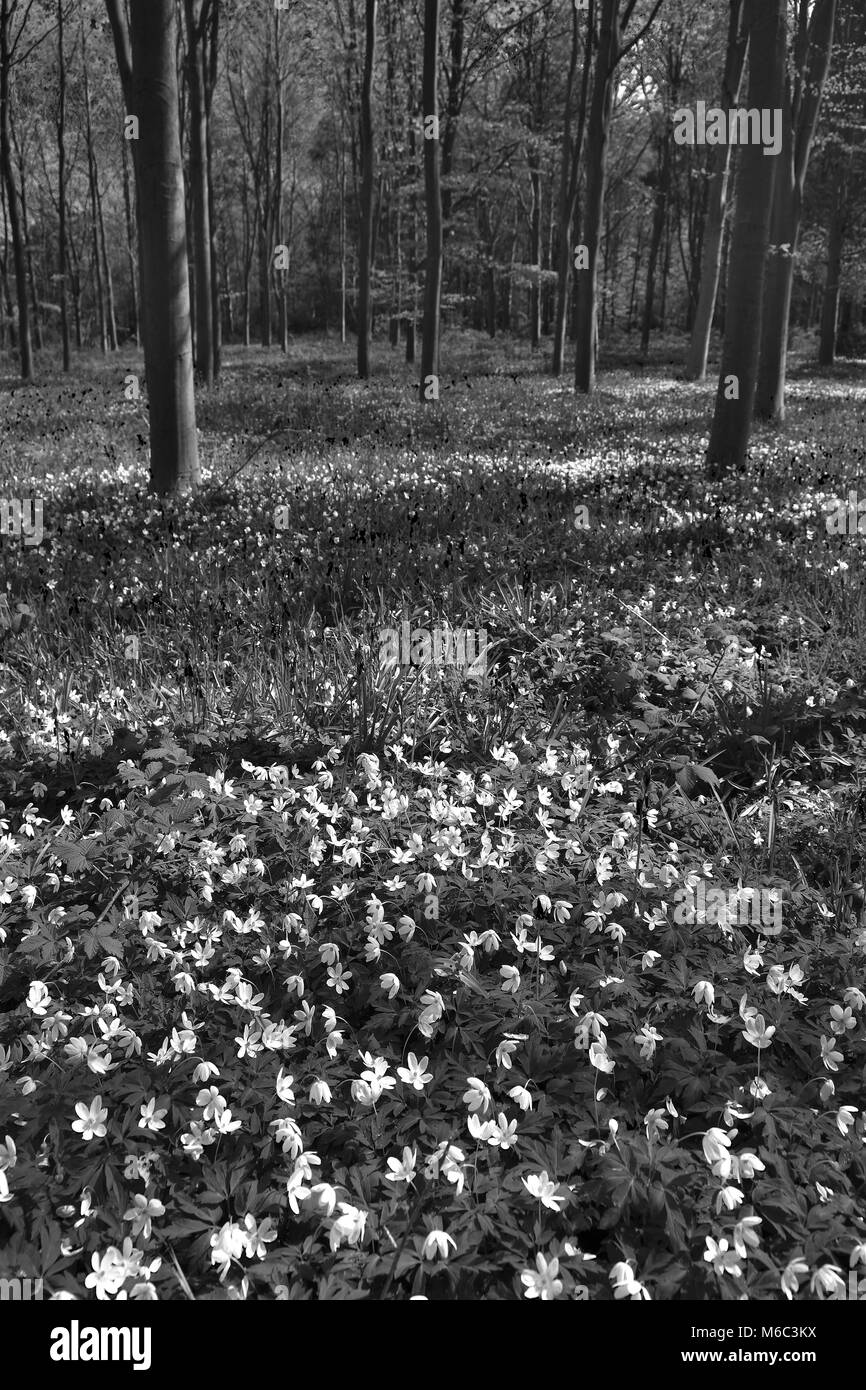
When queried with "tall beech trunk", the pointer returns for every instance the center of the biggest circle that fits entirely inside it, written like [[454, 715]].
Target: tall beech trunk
[[453, 107], [19, 259], [800, 110], [598, 135], [62, 253], [717, 201], [343, 241], [123, 53], [281, 274], [174, 464], [368, 175], [211, 71], [262, 177], [738, 379], [432, 198], [569, 171], [216, 316], [198, 178]]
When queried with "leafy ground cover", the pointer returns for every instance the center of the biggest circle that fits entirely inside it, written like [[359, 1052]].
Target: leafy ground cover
[[321, 978]]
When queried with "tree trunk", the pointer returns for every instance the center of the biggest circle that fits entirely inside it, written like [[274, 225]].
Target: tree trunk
[[598, 134], [111, 315], [368, 174], [25, 346], [216, 316], [28, 246], [204, 364], [535, 253], [632, 299], [135, 328], [62, 254], [123, 53], [281, 272], [343, 277], [433, 201], [666, 270], [660, 207], [489, 276], [735, 397], [800, 119], [174, 464], [75, 287], [210, 54], [265, 253], [568, 183], [717, 202], [453, 106], [830, 303], [92, 176]]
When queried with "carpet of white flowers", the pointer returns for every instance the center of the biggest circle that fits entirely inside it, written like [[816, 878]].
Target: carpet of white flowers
[[320, 982], [417, 1030]]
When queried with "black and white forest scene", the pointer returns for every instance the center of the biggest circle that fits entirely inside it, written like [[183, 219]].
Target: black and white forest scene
[[432, 667]]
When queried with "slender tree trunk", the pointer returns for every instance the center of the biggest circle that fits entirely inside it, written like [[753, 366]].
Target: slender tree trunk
[[135, 328], [604, 269], [489, 278], [632, 299], [535, 253], [92, 174], [833, 276], [735, 397], [111, 315], [666, 270], [508, 287], [62, 254], [28, 245], [343, 277], [265, 253], [717, 202], [368, 174], [174, 463], [660, 207], [75, 288], [412, 329], [547, 300], [250, 225], [227, 318], [433, 200]]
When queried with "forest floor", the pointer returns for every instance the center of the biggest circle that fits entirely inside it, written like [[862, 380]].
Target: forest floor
[[323, 977]]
